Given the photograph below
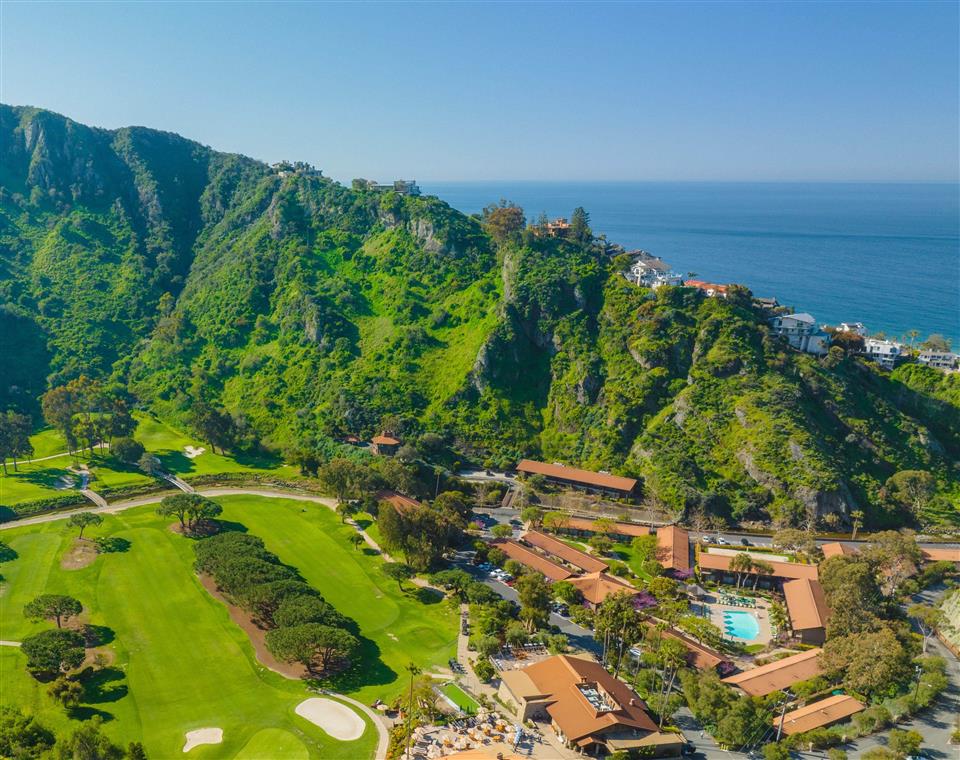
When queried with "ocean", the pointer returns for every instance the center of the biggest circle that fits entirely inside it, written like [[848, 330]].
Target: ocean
[[885, 254]]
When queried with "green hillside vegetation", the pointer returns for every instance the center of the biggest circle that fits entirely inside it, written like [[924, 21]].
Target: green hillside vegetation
[[270, 314]]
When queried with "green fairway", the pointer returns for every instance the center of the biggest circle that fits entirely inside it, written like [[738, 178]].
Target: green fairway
[[178, 661], [171, 445], [48, 442]]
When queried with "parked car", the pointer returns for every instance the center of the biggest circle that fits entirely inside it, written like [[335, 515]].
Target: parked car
[[744, 542], [721, 541]]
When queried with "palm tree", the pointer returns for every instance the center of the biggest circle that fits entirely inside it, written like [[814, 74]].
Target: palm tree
[[856, 519], [740, 564], [761, 567], [414, 671]]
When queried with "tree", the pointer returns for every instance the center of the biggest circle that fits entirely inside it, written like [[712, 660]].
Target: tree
[[503, 221], [895, 556], [317, 647], [618, 626], [150, 465], [135, 751], [300, 609], [14, 438], [911, 490], [776, 751], [53, 651], [556, 521], [793, 540], [741, 563], [357, 540], [927, 619], [856, 522], [702, 630], [870, 662], [904, 743], [760, 568], [343, 477], [936, 342], [346, 509], [580, 230], [535, 598], [501, 530], [532, 516], [83, 520], [21, 736], [413, 670], [191, 509], [566, 592], [601, 543], [58, 406], [127, 450], [66, 691], [454, 505], [398, 571], [88, 743], [645, 548], [214, 425], [56, 607]]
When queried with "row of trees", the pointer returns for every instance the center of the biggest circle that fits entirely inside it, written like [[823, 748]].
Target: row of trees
[[88, 412], [302, 626], [14, 438]]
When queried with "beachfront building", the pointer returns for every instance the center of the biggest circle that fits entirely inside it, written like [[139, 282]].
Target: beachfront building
[[944, 360], [584, 480], [807, 608], [588, 709], [401, 186], [801, 332], [853, 327], [886, 353]]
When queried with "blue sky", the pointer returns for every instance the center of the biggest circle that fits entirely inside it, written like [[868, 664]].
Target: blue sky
[[459, 91]]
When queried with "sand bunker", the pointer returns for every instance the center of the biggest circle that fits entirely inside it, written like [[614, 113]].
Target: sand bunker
[[193, 452], [203, 736], [335, 718]]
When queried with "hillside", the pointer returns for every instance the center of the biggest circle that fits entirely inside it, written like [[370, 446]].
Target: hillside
[[310, 311]]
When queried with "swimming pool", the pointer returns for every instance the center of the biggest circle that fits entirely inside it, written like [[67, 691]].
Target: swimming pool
[[741, 624]]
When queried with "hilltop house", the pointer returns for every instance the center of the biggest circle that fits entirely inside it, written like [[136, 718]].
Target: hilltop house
[[559, 227], [853, 327], [402, 186], [886, 353], [652, 272], [711, 289], [801, 332], [938, 359], [384, 445]]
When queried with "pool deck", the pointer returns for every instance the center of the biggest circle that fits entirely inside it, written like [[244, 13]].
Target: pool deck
[[760, 611]]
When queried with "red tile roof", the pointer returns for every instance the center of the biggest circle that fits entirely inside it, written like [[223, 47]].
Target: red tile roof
[[818, 714], [534, 561], [568, 554], [836, 549], [400, 502], [709, 561], [674, 544], [596, 587], [806, 604], [620, 528], [572, 474], [936, 555], [778, 675], [385, 440]]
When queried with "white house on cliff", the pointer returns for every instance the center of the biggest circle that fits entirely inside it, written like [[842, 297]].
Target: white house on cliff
[[801, 332]]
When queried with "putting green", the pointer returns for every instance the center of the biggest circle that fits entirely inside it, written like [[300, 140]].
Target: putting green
[[273, 742], [178, 661]]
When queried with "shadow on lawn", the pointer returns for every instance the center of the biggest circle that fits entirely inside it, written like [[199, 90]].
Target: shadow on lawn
[[97, 635], [366, 669], [112, 545], [428, 595], [86, 713], [102, 686], [7, 554]]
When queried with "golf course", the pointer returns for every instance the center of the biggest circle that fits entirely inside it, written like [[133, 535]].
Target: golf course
[[172, 661]]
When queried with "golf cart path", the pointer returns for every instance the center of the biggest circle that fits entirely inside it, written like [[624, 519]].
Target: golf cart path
[[4, 643]]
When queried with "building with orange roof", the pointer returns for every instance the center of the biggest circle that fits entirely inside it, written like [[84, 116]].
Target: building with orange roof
[[595, 587], [940, 555], [589, 710], [711, 289], [573, 477], [807, 608], [550, 570], [384, 445], [620, 531], [820, 714], [719, 564], [580, 560], [699, 656], [398, 501], [673, 545], [837, 549], [777, 675]]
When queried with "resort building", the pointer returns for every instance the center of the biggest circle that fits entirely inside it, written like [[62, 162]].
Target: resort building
[[807, 608], [585, 480], [886, 353], [699, 656], [673, 548], [778, 675], [621, 531], [595, 587], [938, 359], [820, 714], [837, 549], [549, 570], [718, 565], [801, 332], [384, 445], [852, 327], [584, 562], [398, 501], [710, 289], [589, 710]]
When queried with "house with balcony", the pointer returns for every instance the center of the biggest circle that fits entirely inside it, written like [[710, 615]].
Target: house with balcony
[[853, 327], [801, 332], [944, 360], [652, 272], [886, 353]]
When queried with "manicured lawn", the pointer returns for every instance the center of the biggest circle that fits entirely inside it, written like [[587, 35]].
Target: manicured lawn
[[48, 442], [169, 445], [464, 701], [179, 662]]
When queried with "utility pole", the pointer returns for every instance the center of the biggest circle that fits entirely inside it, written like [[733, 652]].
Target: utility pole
[[917, 671], [783, 712]]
